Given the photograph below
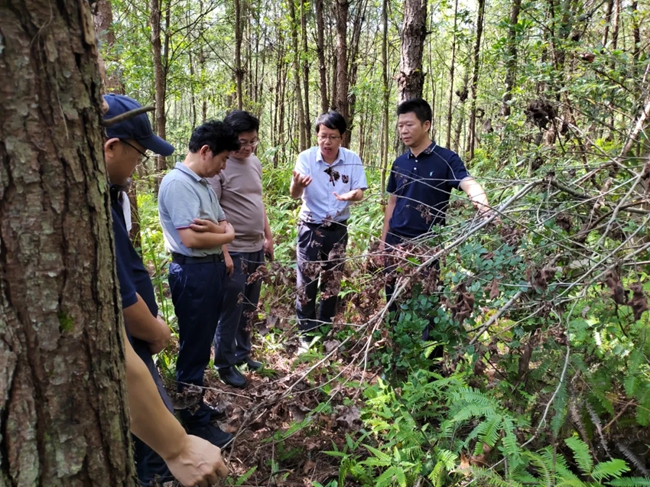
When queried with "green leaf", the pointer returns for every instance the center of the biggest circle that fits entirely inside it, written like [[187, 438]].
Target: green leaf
[[581, 454], [613, 468]]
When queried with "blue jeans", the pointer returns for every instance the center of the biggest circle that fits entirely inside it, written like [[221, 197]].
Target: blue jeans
[[232, 341], [196, 294]]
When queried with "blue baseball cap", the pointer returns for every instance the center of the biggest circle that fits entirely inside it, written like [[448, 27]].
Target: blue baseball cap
[[137, 128]]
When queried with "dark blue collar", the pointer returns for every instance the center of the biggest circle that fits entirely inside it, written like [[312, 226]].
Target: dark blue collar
[[426, 151]]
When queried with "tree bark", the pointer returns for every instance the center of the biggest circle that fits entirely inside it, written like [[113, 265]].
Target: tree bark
[[320, 51], [103, 19], [342, 84], [410, 81], [305, 71], [239, 71], [451, 76], [62, 393], [296, 73], [160, 82], [511, 61], [386, 94], [471, 132]]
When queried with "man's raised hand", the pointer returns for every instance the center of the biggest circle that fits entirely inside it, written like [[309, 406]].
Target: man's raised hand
[[300, 180]]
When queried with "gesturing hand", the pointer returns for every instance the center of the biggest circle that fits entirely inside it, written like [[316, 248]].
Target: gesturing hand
[[300, 180]]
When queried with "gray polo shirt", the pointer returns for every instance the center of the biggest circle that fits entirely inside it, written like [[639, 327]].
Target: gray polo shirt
[[184, 196]]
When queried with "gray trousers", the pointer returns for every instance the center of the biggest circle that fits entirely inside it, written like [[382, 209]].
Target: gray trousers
[[232, 340]]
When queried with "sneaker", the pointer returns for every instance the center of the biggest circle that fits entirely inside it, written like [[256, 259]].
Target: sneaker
[[233, 377], [213, 434], [252, 364]]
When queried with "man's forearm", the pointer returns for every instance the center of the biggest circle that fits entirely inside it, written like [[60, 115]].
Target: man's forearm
[[141, 323], [205, 240], [388, 214], [476, 194], [267, 228], [296, 191], [150, 419]]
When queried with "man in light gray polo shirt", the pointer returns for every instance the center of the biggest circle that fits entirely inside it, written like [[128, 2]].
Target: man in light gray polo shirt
[[195, 228], [239, 188], [328, 178]]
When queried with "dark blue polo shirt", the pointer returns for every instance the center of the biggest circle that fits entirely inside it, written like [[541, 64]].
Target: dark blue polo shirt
[[127, 288], [422, 185], [136, 276]]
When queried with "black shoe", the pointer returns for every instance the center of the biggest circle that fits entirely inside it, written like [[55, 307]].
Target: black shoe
[[214, 412], [252, 364], [213, 434], [233, 377]]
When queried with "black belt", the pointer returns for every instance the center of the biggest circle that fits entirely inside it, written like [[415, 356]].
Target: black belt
[[186, 259], [327, 225]]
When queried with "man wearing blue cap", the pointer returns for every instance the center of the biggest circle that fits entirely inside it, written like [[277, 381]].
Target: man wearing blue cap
[[125, 147]]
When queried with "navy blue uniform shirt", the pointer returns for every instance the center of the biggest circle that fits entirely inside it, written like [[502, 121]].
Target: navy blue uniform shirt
[[133, 276], [422, 185]]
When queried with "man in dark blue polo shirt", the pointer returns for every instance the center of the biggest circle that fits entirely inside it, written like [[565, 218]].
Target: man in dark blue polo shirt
[[421, 181]]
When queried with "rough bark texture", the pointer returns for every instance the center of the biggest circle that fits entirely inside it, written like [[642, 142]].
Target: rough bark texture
[[511, 62], [414, 31], [103, 19], [159, 81], [320, 50], [341, 101], [62, 396]]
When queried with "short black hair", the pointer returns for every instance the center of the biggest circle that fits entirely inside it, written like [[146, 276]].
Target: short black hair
[[217, 135], [420, 107], [241, 121], [332, 120]]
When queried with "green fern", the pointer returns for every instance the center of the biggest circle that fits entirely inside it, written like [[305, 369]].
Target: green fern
[[613, 468], [542, 467], [581, 454], [630, 482]]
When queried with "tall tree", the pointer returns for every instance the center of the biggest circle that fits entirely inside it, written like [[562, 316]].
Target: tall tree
[[239, 70], [103, 18], [385, 94], [160, 56], [305, 70], [296, 73], [341, 101], [511, 60], [410, 82], [452, 66], [64, 420], [320, 51], [471, 132]]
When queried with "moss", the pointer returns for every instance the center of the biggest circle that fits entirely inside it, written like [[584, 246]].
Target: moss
[[66, 322]]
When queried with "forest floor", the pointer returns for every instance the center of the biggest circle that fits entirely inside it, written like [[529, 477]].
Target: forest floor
[[293, 411]]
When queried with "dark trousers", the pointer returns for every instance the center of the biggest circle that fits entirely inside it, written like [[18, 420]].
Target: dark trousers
[[232, 341], [394, 240], [314, 265], [196, 294]]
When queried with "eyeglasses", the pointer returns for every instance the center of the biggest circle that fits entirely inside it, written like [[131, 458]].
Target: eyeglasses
[[143, 157], [252, 144], [331, 138]]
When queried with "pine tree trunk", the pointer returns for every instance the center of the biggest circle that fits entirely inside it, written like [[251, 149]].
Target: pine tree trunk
[[159, 82], [239, 71], [305, 71], [451, 76], [342, 84], [414, 32], [296, 73], [62, 394], [511, 61], [320, 51], [471, 135], [386, 94]]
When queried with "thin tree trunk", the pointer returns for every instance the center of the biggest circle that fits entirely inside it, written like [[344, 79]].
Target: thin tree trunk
[[511, 60], [385, 94], [471, 131], [451, 76], [410, 81], [305, 72], [103, 19], [62, 396], [320, 51], [608, 20], [159, 82], [296, 73], [342, 83], [239, 72]]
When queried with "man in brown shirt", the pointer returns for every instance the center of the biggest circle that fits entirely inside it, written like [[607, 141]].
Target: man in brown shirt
[[239, 189]]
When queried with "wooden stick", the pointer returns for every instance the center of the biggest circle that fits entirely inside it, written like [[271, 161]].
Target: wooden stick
[[127, 115]]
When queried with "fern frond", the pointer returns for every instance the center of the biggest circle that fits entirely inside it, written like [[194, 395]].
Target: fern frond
[[612, 468], [541, 466], [491, 479], [633, 459], [630, 482], [581, 454], [558, 464], [599, 427]]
